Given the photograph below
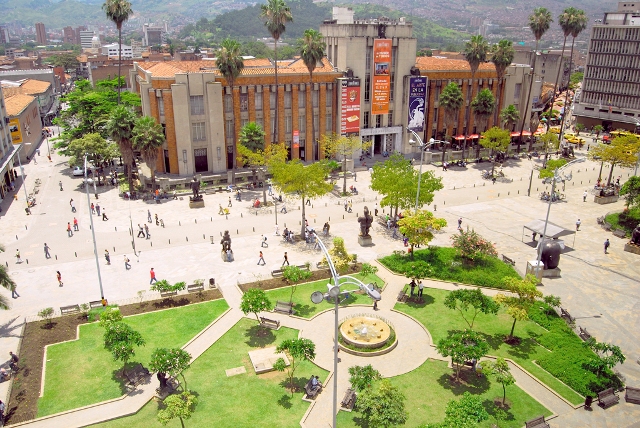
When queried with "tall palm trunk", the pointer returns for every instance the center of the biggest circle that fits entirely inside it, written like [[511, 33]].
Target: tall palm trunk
[[119, 60], [526, 106], [303, 218], [275, 63], [566, 98], [555, 86], [314, 154]]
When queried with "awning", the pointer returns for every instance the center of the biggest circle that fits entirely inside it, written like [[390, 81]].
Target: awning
[[515, 134], [538, 132], [474, 136], [526, 133], [553, 230], [459, 137]]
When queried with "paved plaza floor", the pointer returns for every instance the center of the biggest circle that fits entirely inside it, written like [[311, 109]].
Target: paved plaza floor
[[601, 290]]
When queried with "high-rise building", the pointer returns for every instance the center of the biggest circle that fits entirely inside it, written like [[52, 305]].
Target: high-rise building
[[86, 39], [41, 34], [77, 33], [4, 35], [68, 35], [152, 36], [610, 93]]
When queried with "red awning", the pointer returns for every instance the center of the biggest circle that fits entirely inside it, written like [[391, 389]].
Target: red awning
[[538, 132], [526, 133], [515, 134], [474, 136], [459, 137]]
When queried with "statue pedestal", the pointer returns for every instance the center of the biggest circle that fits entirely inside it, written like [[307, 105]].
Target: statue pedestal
[[630, 247], [223, 254], [196, 204], [365, 241], [605, 199], [551, 273]]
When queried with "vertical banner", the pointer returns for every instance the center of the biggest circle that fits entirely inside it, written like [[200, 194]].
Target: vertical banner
[[296, 139], [381, 81], [417, 100], [350, 107]]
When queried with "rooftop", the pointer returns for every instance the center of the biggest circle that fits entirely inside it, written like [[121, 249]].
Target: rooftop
[[26, 86], [17, 103], [426, 63]]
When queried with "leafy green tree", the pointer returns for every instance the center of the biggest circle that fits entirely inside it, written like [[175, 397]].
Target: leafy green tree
[[579, 23], [501, 372], [297, 350], [276, 14], [6, 282], [120, 339], [368, 270], [550, 142], [475, 52], [164, 286], [263, 160], [419, 226], [472, 246], [462, 346], [631, 192], [575, 79], [67, 60], [294, 275], [483, 105], [622, 151], [607, 356], [120, 126], [255, 301], [502, 55], [467, 412], [252, 137], [509, 116], [118, 11], [97, 149], [524, 293], [148, 138], [362, 377], [339, 256], [471, 302], [552, 301], [312, 50], [46, 314], [171, 362], [551, 166], [451, 101], [598, 129], [340, 147], [495, 139], [109, 316], [179, 406], [382, 405]]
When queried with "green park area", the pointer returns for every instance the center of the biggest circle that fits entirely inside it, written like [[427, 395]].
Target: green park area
[[83, 372], [244, 400]]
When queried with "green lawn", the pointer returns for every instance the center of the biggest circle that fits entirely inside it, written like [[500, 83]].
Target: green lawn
[[439, 320], [428, 389], [246, 400], [626, 220], [444, 263], [302, 295], [82, 372]]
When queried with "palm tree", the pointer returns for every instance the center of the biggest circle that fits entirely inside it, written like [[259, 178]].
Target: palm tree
[[475, 52], [450, 100], [276, 14], [312, 50], [118, 11], [7, 282], [483, 106], [502, 55], [509, 116], [539, 22], [147, 138], [229, 62], [120, 126]]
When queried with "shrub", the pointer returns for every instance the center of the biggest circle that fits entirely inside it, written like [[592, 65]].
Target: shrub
[[46, 314], [472, 246]]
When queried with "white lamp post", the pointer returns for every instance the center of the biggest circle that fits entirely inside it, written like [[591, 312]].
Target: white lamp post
[[419, 143], [93, 232]]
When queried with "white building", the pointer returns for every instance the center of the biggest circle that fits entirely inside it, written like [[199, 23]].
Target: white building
[[112, 51], [86, 38]]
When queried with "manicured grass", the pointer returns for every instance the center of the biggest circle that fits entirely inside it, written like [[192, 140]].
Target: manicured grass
[[82, 372], [245, 400], [444, 263], [303, 305], [428, 389], [439, 320], [626, 220]]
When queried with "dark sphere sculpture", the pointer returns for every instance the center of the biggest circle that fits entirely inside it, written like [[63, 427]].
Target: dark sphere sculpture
[[551, 254]]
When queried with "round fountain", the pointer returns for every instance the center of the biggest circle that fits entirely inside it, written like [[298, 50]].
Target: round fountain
[[364, 334]]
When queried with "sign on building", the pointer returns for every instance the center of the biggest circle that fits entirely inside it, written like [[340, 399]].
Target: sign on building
[[16, 133], [350, 106], [381, 76], [417, 101]]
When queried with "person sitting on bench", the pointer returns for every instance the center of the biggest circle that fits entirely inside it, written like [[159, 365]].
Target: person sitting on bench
[[315, 384]]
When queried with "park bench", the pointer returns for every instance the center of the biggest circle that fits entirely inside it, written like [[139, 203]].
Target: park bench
[[279, 272], [619, 233], [607, 398], [402, 295], [508, 260], [71, 309], [172, 386], [95, 304], [565, 314], [284, 307], [538, 422], [136, 374], [311, 390], [169, 293], [194, 288], [349, 399], [600, 220], [272, 324], [606, 226], [632, 395], [584, 334]]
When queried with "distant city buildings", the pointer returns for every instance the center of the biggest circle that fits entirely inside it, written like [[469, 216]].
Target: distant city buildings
[[152, 36], [68, 35], [111, 51], [41, 34]]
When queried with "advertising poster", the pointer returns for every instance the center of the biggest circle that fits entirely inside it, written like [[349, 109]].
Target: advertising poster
[[14, 128], [417, 101], [296, 139], [350, 107], [381, 81]]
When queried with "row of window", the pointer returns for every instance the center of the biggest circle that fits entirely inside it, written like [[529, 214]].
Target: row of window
[[606, 73], [607, 99], [616, 33], [288, 100], [615, 47], [607, 60]]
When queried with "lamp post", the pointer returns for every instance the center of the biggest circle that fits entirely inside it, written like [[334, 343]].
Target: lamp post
[[333, 294], [93, 232], [419, 143]]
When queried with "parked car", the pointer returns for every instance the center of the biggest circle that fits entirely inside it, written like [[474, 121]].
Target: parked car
[[77, 171]]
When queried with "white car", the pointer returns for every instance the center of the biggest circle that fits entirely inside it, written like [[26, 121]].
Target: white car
[[78, 171]]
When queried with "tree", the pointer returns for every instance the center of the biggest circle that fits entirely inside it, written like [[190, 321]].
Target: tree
[[502, 55], [229, 62], [550, 142], [276, 14], [471, 302], [263, 160], [6, 282], [252, 137], [483, 105], [622, 151], [67, 60], [462, 346], [301, 181], [368, 270], [549, 170], [524, 293], [120, 126], [339, 256], [119, 339], [509, 116], [606, 358], [164, 286], [46, 314], [362, 377], [94, 146], [172, 362], [148, 138], [467, 412], [495, 139], [502, 374], [579, 128], [312, 50], [471, 246], [539, 22], [418, 227], [598, 129], [109, 316], [255, 301], [118, 11], [475, 52], [382, 405], [338, 146], [179, 406], [631, 192], [297, 350], [451, 101], [295, 275]]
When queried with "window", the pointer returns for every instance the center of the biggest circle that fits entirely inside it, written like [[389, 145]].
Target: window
[[392, 86], [329, 124], [273, 125], [244, 102], [287, 124], [378, 120], [315, 96], [517, 90], [272, 100], [260, 121], [366, 119], [367, 87], [228, 103], [258, 101], [302, 123], [287, 99], [243, 122], [200, 159], [196, 102], [160, 102], [329, 96], [302, 99], [198, 131], [390, 119], [228, 126], [316, 128]]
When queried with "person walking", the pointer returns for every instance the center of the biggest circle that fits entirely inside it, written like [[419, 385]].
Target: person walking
[[460, 223], [146, 231], [107, 257], [286, 259], [350, 210], [420, 288], [104, 216], [261, 259], [127, 266], [59, 278], [355, 177], [283, 209], [153, 279], [277, 230], [264, 241], [270, 190], [578, 223], [606, 245], [73, 205], [46, 251], [93, 208], [229, 205], [140, 231], [69, 231], [149, 216], [14, 293], [75, 224], [60, 184], [157, 220], [18, 259], [584, 196], [98, 209], [346, 205]]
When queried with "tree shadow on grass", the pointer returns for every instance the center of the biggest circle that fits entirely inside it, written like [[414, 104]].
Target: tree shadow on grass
[[524, 350], [285, 401], [171, 303], [417, 303], [298, 384], [494, 409], [259, 337], [468, 382], [118, 377], [360, 422], [304, 310]]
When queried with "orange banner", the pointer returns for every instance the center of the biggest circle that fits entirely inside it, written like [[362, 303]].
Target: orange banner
[[381, 81]]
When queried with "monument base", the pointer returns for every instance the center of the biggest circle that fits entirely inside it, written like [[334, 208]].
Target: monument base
[[223, 254], [196, 204], [605, 199], [551, 273], [630, 247], [365, 241]]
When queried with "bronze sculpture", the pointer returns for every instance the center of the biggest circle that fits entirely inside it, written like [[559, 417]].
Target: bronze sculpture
[[365, 223]]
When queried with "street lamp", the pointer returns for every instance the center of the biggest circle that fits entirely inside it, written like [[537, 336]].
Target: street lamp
[[423, 146], [93, 231], [333, 294]]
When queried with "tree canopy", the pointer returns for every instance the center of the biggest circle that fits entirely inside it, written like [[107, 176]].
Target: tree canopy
[[120, 339], [170, 361], [462, 346], [179, 406], [622, 151], [471, 302], [97, 148], [341, 148], [255, 301], [524, 293], [500, 371], [631, 192], [297, 350], [382, 405], [419, 226], [362, 377]]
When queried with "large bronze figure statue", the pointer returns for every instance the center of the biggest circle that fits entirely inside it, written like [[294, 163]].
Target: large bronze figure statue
[[195, 188], [635, 235], [365, 223]]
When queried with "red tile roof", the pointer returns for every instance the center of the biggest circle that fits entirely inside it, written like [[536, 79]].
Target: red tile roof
[[426, 63]]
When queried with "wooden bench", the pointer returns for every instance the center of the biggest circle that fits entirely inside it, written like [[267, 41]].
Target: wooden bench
[[280, 272], [71, 309], [600, 220], [508, 260], [169, 293], [607, 398], [632, 395], [95, 304], [349, 399], [194, 288], [284, 307], [272, 324], [619, 233], [136, 374], [565, 314], [538, 422], [584, 334], [606, 226], [311, 390], [402, 295]]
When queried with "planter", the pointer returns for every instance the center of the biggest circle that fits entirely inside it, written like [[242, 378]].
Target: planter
[[168, 293], [630, 247], [605, 199]]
